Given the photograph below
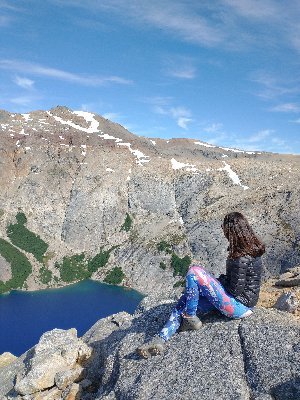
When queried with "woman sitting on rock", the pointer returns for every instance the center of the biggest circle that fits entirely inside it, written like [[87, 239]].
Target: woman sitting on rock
[[233, 294]]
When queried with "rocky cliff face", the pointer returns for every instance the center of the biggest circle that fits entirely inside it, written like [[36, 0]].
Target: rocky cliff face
[[257, 358], [81, 196]]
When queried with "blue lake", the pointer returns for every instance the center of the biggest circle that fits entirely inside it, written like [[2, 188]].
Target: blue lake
[[25, 316]]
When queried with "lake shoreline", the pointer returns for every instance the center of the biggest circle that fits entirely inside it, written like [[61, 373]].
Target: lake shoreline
[[66, 284], [26, 315]]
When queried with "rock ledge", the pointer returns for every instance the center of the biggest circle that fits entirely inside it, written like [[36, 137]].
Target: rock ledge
[[253, 359]]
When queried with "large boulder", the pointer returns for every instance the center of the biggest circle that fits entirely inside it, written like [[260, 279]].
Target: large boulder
[[271, 346], [58, 351], [257, 358], [287, 302], [226, 359], [6, 359]]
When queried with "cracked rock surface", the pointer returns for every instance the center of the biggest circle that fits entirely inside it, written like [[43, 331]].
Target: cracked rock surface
[[246, 359], [257, 358], [77, 176]]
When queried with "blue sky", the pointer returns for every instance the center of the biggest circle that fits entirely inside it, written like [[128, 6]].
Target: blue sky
[[226, 71]]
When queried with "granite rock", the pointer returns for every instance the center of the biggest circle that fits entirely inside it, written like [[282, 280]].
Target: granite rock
[[256, 358], [287, 302], [230, 359], [64, 378], [56, 353], [76, 184], [84, 174], [6, 359], [271, 347], [72, 393]]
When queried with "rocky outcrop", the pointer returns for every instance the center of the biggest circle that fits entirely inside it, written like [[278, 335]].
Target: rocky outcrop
[[288, 299], [256, 358], [6, 359], [227, 359], [80, 186], [57, 353], [287, 302], [290, 278], [83, 197], [51, 367]]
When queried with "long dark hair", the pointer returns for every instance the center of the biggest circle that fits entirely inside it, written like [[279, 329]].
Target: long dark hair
[[242, 240]]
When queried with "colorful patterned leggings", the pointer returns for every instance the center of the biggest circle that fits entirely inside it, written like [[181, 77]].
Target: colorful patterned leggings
[[203, 293]]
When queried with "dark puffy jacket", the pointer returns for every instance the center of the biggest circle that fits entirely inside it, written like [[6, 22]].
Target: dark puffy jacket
[[242, 279]]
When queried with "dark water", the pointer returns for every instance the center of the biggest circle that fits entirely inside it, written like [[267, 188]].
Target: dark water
[[25, 316]]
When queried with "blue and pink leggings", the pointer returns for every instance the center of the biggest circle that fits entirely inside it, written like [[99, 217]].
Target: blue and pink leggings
[[203, 293]]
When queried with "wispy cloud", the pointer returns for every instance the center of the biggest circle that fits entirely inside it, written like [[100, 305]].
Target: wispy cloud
[[260, 136], [5, 5], [171, 16], [272, 22], [281, 142], [25, 101], [263, 140], [21, 100], [158, 101], [41, 70], [213, 128], [256, 9], [273, 144], [183, 72], [183, 122], [24, 83], [222, 23], [270, 143], [7, 13], [181, 115], [272, 86], [286, 108], [162, 106], [180, 67]]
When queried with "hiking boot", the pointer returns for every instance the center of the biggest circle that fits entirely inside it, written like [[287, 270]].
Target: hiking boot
[[190, 324], [155, 347]]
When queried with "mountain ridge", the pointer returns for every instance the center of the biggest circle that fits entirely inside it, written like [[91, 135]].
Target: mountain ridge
[[74, 178]]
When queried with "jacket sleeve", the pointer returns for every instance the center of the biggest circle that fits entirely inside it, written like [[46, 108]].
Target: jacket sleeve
[[236, 276]]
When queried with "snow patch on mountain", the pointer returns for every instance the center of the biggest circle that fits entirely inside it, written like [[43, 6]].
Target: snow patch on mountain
[[109, 137], [94, 124], [205, 144], [179, 165], [23, 133], [94, 128], [83, 151], [232, 175], [141, 158], [26, 117]]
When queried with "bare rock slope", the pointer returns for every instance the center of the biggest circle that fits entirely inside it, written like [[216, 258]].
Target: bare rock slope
[[83, 197], [252, 359]]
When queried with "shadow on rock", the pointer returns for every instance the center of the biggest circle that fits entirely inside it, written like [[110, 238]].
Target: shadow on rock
[[289, 390]]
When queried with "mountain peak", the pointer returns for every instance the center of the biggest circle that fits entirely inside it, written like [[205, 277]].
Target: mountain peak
[[77, 177]]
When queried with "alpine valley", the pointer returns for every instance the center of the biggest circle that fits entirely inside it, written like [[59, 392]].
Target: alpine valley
[[81, 197]]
